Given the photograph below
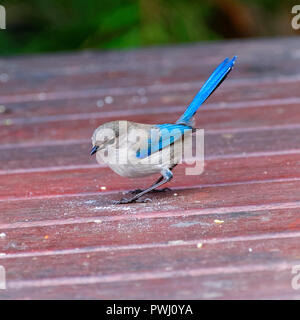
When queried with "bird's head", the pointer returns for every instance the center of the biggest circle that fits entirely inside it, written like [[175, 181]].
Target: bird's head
[[104, 136]]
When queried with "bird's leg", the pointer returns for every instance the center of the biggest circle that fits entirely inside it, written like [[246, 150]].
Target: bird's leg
[[137, 191], [167, 175]]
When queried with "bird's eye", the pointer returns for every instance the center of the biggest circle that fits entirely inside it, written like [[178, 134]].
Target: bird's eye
[[111, 141]]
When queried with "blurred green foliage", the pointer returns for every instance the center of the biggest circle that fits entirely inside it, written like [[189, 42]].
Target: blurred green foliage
[[35, 26]]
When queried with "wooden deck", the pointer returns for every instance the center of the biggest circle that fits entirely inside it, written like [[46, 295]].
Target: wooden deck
[[61, 236]]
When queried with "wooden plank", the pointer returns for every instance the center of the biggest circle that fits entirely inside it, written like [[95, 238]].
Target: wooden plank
[[109, 262], [278, 48], [212, 254], [216, 171], [81, 61], [227, 96], [209, 261], [257, 52], [156, 85], [162, 72], [87, 109], [141, 231], [252, 285]]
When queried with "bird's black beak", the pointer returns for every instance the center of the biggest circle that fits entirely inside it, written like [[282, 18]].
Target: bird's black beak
[[94, 150]]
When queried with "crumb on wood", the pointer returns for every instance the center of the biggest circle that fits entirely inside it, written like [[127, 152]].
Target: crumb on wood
[[227, 135], [108, 100], [217, 221], [8, 122]]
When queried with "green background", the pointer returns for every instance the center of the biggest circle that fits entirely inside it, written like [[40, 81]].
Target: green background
[[35, 26]]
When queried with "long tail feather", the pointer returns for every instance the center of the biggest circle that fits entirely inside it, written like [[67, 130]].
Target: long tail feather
[[212, 83]]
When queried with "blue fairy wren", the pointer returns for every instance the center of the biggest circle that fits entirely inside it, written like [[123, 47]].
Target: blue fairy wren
[[137, 150]]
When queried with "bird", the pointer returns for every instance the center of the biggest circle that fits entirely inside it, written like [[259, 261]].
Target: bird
[[137, 150]]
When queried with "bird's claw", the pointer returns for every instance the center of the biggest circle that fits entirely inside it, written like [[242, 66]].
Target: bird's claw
[[126, 201], [143, 200], [123, 201]]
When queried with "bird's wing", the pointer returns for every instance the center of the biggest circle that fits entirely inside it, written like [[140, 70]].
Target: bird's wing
[[161, 136]]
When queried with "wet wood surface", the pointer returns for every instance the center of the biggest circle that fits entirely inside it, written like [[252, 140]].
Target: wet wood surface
[[231, 233]]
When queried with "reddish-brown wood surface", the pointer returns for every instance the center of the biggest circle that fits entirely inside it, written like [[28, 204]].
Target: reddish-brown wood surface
[[62, 236]]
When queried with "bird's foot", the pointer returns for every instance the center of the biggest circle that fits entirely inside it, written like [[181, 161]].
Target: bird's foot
[[137, 191], [161, 190], [126, 201], [122, 201], [143, 200]]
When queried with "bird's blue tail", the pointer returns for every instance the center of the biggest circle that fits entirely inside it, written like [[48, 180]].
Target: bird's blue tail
[[212, 83]]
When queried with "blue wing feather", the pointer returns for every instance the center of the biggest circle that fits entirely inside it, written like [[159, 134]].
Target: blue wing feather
[[166, 135]]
